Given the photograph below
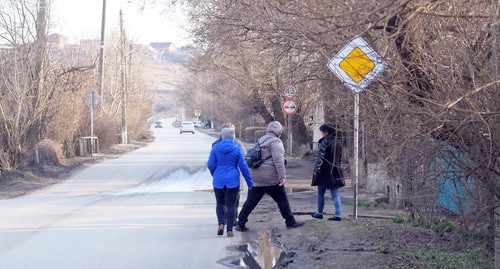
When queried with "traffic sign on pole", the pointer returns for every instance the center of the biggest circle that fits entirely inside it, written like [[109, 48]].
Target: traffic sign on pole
[[289, 107], [290, 91], [357, 64], [92, 98]]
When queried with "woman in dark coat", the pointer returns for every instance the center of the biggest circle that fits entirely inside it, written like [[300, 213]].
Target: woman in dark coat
[[327, 171]]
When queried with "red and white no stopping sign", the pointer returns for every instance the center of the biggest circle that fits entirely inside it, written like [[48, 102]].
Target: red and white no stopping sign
[[289, 107]]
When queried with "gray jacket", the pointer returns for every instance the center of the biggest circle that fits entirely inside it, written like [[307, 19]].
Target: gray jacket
[[273, 169]]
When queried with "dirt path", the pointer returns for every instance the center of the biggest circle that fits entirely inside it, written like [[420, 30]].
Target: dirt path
[[320, 243]]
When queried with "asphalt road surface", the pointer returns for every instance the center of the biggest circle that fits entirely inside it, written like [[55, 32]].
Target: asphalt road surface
[[142, 210]]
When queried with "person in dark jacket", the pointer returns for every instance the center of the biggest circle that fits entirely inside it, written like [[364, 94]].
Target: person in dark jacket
[[269, 178], [225, 163], [327, 171]]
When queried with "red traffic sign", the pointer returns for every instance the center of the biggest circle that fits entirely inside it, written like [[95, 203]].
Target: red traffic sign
[[289, 107], [289, 91]]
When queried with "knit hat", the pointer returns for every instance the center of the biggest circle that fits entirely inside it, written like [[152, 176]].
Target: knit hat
[[227, 133]]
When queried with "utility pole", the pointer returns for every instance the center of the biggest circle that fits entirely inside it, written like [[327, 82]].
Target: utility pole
[[123, 64], [41, 47], [100, 67]]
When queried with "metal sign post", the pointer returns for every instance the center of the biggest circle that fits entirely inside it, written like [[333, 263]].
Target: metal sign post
[[92, 99], [356, 154], [290, 135], [356, 64], [91, 123], [289, 106]]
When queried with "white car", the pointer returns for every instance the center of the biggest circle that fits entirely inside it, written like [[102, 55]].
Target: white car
[[187, 127]]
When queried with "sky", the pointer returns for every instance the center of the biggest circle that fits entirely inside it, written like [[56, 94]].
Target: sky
[[81, 19]]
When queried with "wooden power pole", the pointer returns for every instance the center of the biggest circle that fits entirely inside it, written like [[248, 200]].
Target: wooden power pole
[[123, 65], [40, 60], [100, 67]]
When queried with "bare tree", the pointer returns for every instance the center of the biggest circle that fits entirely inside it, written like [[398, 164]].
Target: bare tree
[[26, 95], [42, 86], [437, 102]]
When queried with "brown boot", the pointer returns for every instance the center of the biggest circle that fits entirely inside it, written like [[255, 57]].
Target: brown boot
[[230, 233]]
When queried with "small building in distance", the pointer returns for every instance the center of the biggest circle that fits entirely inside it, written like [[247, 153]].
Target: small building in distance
[[57, 40], [164, 49]]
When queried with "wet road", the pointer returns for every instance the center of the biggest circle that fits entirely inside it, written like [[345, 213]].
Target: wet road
[[137, 211]]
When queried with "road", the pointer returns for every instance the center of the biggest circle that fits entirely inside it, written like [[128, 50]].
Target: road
[[137, 211]]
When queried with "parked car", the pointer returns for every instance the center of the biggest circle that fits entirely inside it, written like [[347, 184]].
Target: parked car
[[158, 124], [187, 127], [197, 124]]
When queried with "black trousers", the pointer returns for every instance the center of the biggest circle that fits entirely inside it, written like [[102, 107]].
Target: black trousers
[[226, 205], [277, 193]]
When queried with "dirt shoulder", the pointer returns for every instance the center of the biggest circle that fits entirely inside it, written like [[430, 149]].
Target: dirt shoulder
[[365, 242]]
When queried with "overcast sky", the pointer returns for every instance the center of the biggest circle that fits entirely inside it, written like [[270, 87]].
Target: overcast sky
[[81, 19]]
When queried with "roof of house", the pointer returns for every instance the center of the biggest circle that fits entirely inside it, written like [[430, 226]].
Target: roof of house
[[56, 37], [161, 44]]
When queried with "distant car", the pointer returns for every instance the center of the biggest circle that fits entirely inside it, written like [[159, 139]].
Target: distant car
[[197, 124], [158, 124], [187, 127]]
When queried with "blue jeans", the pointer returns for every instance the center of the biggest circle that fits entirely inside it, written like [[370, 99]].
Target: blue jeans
[[226, 205], [334, 191]]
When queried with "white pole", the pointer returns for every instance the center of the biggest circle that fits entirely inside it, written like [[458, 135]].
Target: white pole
[[37, 156], [91, 123], [356, 155], [290, 136]]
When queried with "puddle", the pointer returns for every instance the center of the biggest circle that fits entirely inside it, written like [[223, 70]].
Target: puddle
[[266, 254], [246, 262]]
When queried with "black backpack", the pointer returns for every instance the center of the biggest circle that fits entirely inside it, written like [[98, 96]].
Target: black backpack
[[254, 156]]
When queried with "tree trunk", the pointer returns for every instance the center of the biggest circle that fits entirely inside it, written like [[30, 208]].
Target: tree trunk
[[260, 107], [495, 69], [277, 109], [497, 237]]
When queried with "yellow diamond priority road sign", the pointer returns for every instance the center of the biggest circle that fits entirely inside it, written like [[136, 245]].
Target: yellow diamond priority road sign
[[356, 64]]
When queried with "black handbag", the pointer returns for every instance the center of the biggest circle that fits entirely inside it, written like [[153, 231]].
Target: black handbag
[[339, 177], [314, 181], [340, 182]]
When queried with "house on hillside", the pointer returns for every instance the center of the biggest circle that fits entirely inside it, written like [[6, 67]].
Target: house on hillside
[[57, 41], [4, 47], [164, 49]]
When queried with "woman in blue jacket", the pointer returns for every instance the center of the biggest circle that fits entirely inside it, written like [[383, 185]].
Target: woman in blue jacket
[[225, 163]]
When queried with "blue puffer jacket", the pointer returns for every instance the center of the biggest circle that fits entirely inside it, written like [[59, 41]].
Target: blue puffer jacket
[[225, 159]]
